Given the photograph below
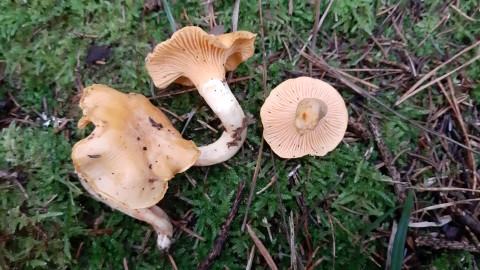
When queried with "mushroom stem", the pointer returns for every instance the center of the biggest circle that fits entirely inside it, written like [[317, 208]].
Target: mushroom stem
[[221, 100], [309, 112], [153, 215]]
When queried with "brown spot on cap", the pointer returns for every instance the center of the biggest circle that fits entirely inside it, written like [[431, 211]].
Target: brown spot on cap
[[121, 167]]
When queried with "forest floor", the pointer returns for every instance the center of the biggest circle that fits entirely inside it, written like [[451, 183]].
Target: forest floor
[[401, 190]]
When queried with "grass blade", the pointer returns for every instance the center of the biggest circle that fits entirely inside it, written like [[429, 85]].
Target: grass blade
[[401, 235], [173, 25], [377, 222]]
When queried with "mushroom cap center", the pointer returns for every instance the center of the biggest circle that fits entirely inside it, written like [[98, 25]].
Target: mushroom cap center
[[309, 112]]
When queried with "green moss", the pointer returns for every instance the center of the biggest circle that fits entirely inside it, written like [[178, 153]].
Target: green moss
[[44, 42]]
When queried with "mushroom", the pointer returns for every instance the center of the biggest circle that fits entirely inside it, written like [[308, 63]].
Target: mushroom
[[303, 116], [131, 154], [193, 57]]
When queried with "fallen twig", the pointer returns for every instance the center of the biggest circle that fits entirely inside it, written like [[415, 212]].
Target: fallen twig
[[172, 261], [225, 230], [466, 219], [262, 249], [187, 230], [439, 243], [264, 54], [445, 205], [414, 90], [250, 258], [387, 158], [459, 116], [253, 184], [236, 9], [338, 75]]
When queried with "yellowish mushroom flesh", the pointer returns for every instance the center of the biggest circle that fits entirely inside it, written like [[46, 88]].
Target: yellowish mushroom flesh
[[133, 151], [309, 112], [131, 154]]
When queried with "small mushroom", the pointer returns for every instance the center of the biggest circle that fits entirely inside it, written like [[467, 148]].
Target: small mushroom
[[303, 116], [193, 57], [131, 154]]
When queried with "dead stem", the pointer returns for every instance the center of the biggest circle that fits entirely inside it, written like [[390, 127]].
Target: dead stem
[[262, 248], [387, 158], [172, 261], [314, 33], [413, 90], [368, 95], [438, 243], [253, 183], [187, 230], [224, 230], [250, 258]]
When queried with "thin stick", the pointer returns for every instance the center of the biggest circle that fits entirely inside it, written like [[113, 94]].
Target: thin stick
[[439, 243], [387, 158], [279, 196], [410, 94], [250, 258], [190, 116], [458, 114], [187, 230], [225, 229], [324, 15], [363, 93], [445, 18], [319, 24], [314, 34], [444, 205], [316, 61], [311, 256], [172, 261], [316, 263], [412, 91], [253, 184], [462, 13], [22, 189], [262, 248], [293, 252], [272, 181], [390, 243], [236, 9], [264, 55], [443, 189]]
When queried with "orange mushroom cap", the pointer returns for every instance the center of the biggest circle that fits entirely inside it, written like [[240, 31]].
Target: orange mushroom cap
[[192, 57], [132, 152], [279, 114]]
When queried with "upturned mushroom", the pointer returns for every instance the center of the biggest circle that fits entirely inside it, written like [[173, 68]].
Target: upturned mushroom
[[193, 57], [303, 116], [131, 154]]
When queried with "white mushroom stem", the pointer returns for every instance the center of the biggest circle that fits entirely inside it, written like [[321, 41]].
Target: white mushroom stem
[[309, 112], [153, 215], [221, 100]]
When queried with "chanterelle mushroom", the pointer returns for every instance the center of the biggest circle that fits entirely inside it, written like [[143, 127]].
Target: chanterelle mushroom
[[303, 116], [127, 160], [193, 57]]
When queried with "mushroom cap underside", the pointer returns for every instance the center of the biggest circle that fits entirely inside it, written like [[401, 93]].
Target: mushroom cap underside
[[278, 117], [133, 150], [192, 56]]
